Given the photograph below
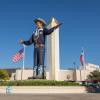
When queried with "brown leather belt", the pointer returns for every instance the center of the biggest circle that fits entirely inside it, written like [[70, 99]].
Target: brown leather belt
[[39, 45]]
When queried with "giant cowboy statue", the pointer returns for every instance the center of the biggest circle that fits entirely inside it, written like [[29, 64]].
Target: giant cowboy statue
[[38, 39]]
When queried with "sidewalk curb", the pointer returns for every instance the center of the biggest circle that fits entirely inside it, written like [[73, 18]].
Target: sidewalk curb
[[44, 89]]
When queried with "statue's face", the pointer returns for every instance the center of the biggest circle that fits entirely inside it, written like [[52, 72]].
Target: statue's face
[[39, 24]]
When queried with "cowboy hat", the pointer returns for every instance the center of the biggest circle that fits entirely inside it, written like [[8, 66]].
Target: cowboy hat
[[40, 20]]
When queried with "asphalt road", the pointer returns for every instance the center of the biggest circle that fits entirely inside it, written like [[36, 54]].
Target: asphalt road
[[49, 96]]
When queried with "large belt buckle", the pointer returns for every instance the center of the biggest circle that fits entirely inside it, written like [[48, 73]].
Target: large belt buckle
[[39, 45]]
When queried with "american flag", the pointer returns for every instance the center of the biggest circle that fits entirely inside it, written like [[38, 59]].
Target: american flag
[[18, 56]]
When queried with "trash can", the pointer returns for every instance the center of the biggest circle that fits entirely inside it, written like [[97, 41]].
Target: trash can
[[8, 89]]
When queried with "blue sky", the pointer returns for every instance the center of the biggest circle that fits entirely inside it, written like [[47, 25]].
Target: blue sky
[[81, 28]]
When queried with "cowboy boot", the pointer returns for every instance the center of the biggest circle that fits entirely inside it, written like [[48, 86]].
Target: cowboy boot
[[35, 72], [40, 72]]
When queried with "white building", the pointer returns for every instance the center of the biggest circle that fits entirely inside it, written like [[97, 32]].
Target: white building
[[63, 75]]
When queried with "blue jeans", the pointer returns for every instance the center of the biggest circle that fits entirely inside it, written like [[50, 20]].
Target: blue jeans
[[39, 53]]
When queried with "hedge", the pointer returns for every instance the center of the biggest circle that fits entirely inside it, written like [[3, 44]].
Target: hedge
[[38, 83]]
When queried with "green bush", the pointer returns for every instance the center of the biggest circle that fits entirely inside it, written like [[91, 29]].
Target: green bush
[[38, 83], [95, 75], [4, 75]]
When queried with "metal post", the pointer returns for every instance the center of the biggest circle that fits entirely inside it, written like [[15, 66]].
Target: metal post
[[23, 63]]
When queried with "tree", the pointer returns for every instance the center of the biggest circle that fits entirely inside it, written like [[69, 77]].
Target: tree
[[4, 75], [95, 75]]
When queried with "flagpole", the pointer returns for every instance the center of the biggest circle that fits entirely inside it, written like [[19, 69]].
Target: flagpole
[[23, 63], [24, 57], [83, 66]]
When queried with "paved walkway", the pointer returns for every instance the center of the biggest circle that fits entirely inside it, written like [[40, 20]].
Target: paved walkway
[[50, 97], [45, 89]]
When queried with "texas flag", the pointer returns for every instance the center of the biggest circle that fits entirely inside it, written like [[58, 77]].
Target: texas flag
[[82, 58]]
